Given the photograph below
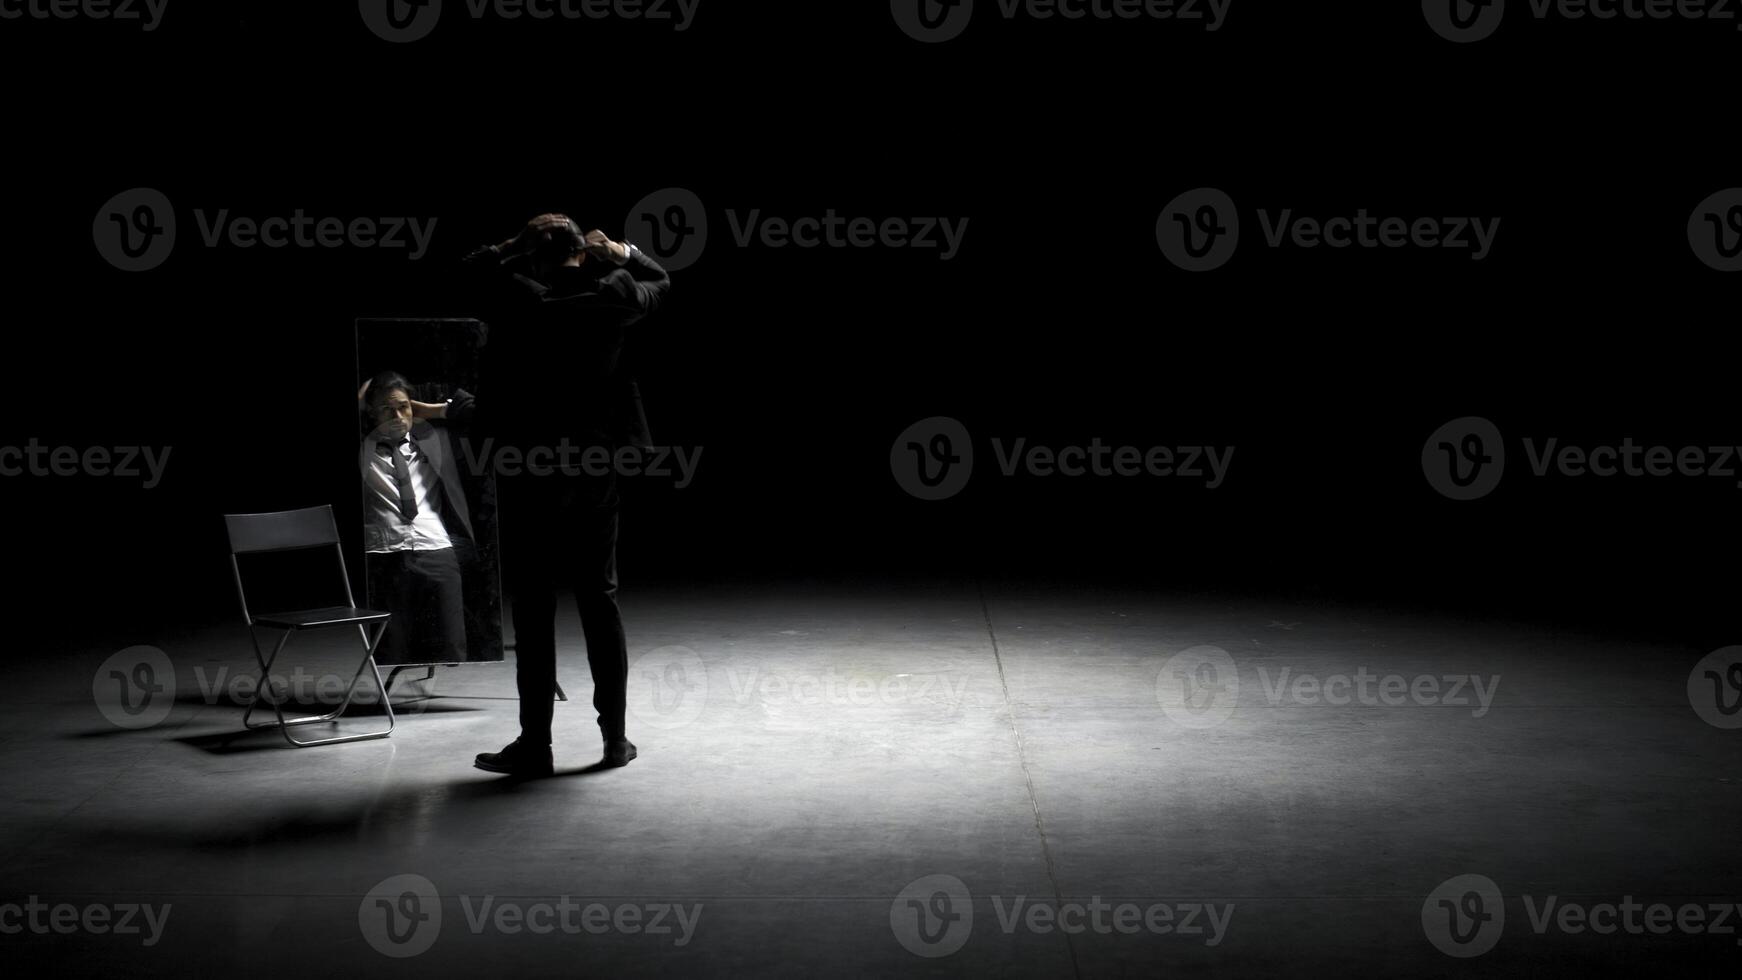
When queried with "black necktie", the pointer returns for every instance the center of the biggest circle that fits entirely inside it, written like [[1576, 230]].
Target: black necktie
[[401, 476]]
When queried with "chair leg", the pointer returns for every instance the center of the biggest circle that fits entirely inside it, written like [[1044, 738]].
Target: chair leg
[[265, 684], [284, 724], [265, 681], [350, 692]]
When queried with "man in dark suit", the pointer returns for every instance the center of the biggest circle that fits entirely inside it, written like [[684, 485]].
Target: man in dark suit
[[417, 527], [561, 304]]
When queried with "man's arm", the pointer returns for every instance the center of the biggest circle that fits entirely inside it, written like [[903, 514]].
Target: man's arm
[[649, 283], [496, 279], [509, 249], [459, 411]]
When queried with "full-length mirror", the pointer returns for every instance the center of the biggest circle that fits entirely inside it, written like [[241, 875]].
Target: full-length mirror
[[431, 551]]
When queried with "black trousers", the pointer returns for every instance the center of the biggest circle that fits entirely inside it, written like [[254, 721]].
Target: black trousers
[[422, 589], [561, 530]]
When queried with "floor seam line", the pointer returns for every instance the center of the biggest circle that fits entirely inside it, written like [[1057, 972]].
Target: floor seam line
[[1027, 778]]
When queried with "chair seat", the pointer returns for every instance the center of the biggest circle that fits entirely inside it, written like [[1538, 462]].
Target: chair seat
[[302, 619]]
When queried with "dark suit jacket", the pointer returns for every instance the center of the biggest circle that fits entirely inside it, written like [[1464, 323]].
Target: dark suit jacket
[[556, 362]]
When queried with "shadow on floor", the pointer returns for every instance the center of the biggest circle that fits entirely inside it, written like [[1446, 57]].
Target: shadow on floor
[[450, 808], [413, 707]]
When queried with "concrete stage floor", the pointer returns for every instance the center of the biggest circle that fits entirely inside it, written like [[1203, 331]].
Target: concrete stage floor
[[903, 781]]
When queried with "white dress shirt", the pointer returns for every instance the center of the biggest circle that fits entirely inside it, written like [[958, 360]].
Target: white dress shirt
[[384, 530]]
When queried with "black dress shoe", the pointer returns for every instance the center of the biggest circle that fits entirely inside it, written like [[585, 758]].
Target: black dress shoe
[[517, 759], [618, 752]]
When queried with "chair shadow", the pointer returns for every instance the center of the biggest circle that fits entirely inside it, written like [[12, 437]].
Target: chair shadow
[[456, 802], [237, 740], [403, 709]]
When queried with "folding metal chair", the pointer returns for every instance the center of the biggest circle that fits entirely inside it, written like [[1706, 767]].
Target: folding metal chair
[[291, 530]]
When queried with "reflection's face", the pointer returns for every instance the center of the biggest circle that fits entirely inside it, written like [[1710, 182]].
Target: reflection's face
[[393, 413]]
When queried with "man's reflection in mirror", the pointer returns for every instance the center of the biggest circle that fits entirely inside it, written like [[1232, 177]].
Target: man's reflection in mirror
[[417, 531]]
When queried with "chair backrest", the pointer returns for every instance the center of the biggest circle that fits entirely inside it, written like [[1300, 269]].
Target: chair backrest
[[284, 530]]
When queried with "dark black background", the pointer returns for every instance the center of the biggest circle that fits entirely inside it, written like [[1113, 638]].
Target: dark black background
[[794, 369]]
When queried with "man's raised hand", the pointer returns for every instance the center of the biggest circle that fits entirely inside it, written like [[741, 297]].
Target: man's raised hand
[[600, 246]]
